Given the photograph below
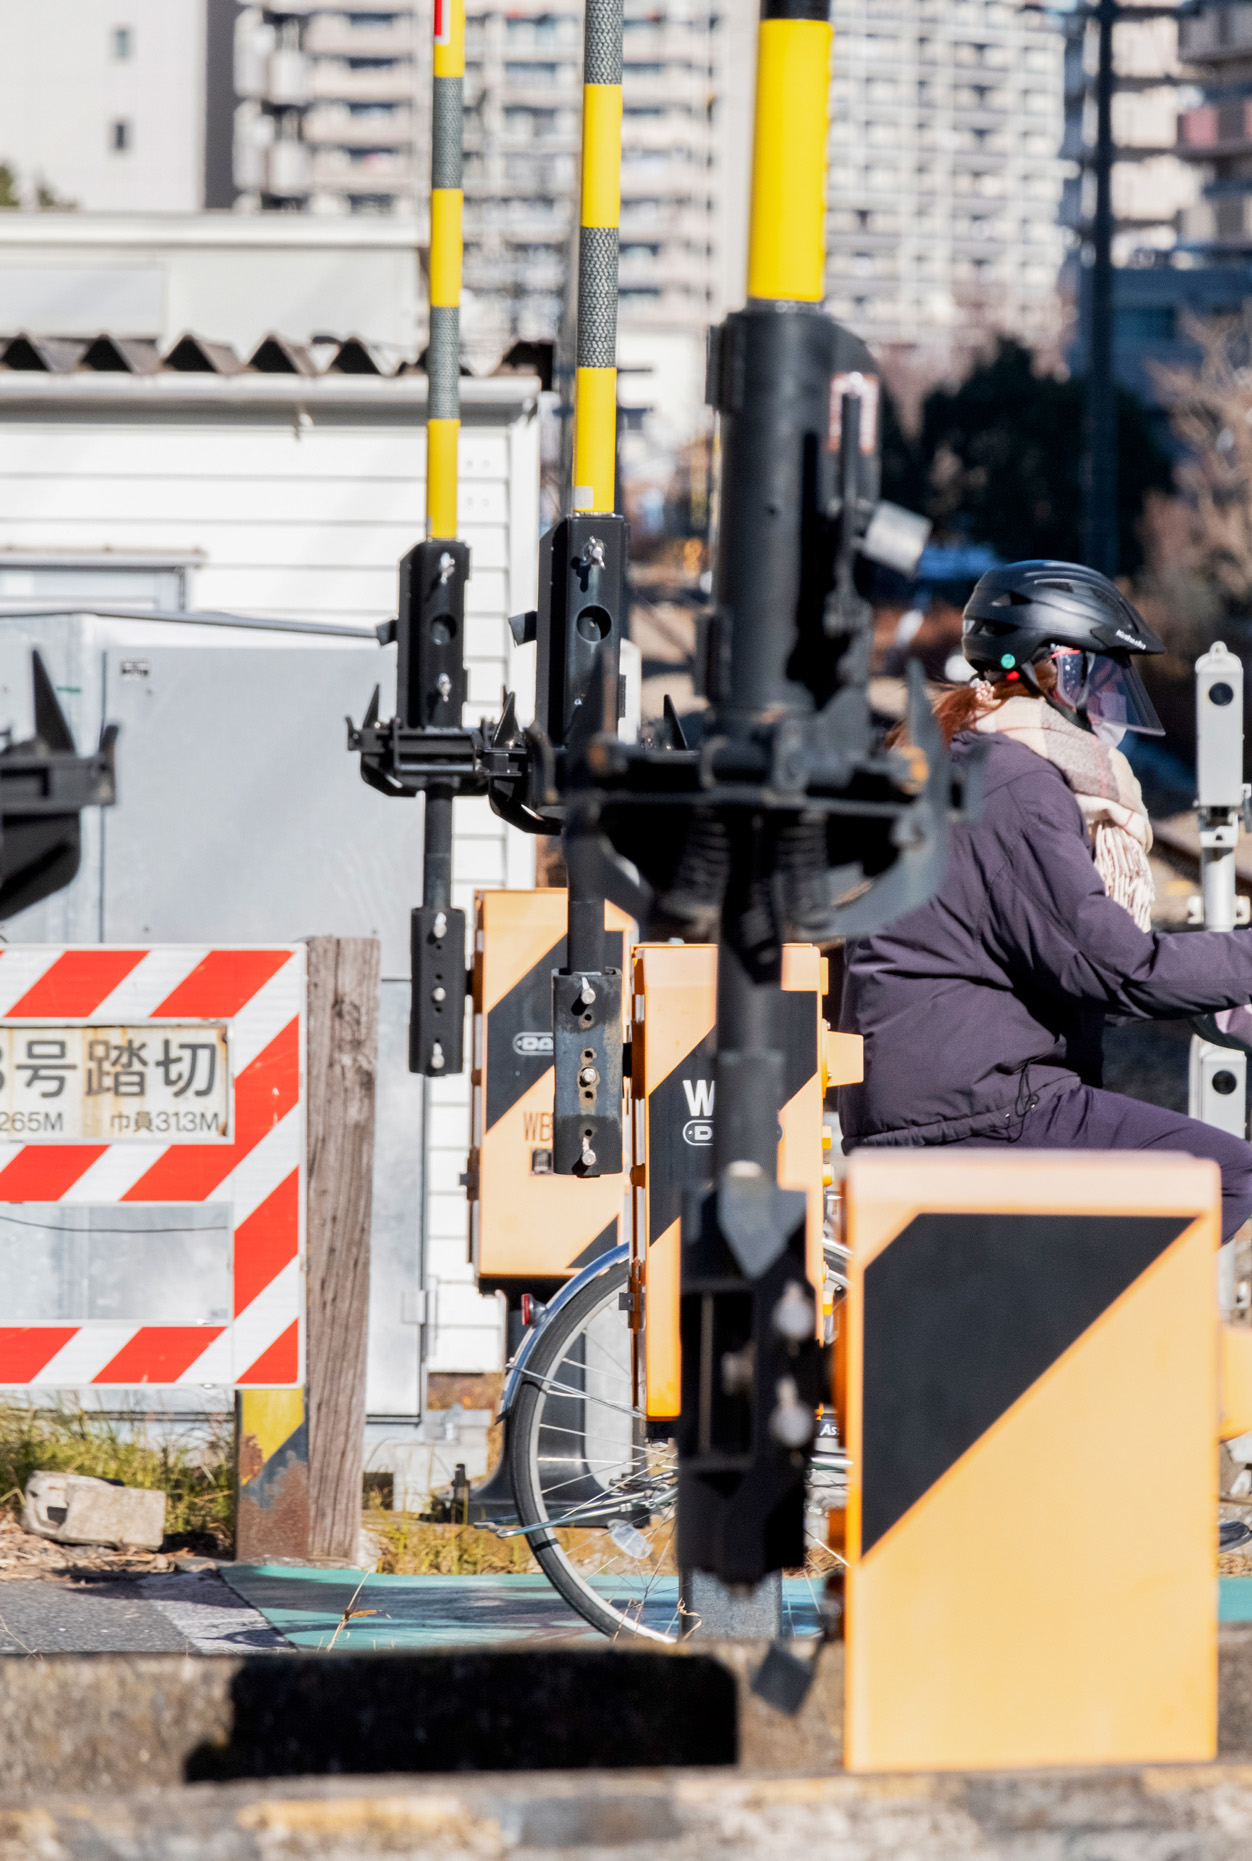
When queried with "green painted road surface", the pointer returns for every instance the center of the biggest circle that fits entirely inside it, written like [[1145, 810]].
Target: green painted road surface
[[307, 1607], [1234, 1599]]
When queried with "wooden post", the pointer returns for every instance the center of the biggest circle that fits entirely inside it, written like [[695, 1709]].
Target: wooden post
[[342, 1062]]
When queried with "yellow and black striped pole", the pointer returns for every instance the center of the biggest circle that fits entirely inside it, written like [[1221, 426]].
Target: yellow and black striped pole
[[595, 381], [431, 628], [787, 227], [443, 361], [579, 628], [774, 666]]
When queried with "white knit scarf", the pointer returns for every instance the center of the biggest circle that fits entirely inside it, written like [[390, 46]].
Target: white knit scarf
[[1105, 788]]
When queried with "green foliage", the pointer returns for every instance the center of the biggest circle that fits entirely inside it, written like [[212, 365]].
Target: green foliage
[[197, 1479], [8, 186], [1002, 459]]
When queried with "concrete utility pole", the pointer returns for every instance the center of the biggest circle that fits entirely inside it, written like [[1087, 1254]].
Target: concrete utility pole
[[1101, 513]]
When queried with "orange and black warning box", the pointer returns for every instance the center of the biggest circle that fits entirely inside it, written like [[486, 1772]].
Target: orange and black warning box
[[673, 1044], [1032, 1375], [529, 1228]]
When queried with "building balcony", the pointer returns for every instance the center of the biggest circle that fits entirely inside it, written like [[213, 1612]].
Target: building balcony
[[508, 278], [384, 128], [1223, 221], [686, 221], [334, 35], [287, 77], [516, 140], [335, 169], [550, 231], [1217, 34], [688, 41], [647, 134], [1215, 129], [651, 86], [286, 169], [334, 80], [528, 38], [511, 95], [656, 306], [539, 182]]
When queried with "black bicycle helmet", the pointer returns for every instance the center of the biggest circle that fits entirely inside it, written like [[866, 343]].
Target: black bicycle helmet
[[1028, 611]]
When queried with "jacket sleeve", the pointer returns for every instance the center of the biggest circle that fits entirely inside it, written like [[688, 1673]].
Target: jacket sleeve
[[1053, 926]]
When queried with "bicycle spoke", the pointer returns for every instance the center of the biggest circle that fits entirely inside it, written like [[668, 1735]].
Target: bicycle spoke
[[586, 1468]]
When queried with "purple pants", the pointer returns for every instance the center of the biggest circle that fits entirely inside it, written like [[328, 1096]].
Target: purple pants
[[1082, 1118]]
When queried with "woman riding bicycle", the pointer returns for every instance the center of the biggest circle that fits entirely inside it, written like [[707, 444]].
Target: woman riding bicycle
[[983, 1011]]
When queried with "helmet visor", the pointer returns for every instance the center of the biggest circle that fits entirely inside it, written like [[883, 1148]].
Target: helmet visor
[[1107, 692]]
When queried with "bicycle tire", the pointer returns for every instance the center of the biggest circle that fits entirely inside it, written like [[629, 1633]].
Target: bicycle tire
[[526, 1422], [647, 1485]]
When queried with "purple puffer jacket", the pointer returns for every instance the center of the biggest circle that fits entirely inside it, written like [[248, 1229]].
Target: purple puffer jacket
[[994, 993]]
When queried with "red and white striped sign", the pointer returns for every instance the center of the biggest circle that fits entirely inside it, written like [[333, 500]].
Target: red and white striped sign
[[258, 995]]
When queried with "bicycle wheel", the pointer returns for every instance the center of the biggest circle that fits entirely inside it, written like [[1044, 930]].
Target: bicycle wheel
[[596, 1498]]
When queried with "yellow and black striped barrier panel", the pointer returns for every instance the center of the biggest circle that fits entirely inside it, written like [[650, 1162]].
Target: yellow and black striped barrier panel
[[271, 1475], [1032, 1374], [673, 1049], [527, 1225]]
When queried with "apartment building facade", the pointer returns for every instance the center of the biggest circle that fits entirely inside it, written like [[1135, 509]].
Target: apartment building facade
[[328, 115], [1215, 133], [1154, 189], [945, 174], [332, 116]]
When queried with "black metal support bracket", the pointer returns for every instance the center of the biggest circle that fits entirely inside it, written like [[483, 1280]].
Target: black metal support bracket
[[437, 1013], [587, 1057]]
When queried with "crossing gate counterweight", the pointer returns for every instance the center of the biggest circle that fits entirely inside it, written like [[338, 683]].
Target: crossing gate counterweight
[[152, 1165], [529, 1228], [1031, 1339]]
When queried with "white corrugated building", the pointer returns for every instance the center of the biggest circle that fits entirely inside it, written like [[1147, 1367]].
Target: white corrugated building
[[281, 496]]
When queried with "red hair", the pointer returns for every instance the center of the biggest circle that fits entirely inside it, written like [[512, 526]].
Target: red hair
[[959, 707]]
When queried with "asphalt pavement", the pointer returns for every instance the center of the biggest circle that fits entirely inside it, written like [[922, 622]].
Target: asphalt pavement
[[182, 1613]]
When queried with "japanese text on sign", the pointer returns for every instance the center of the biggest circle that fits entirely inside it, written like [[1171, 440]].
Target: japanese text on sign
[[154, 1083]]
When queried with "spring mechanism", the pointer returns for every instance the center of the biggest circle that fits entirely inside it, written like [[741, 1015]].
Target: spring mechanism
[[694, 897]]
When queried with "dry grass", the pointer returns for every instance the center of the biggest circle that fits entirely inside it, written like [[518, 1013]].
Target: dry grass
[[196, 1476], [410, 1548]]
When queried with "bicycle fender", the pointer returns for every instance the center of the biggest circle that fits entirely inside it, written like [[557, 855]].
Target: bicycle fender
[[515, 1374]]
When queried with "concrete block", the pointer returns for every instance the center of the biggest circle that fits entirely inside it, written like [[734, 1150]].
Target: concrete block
[[119, 1722], [73, 1508], [1200, 1813]]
